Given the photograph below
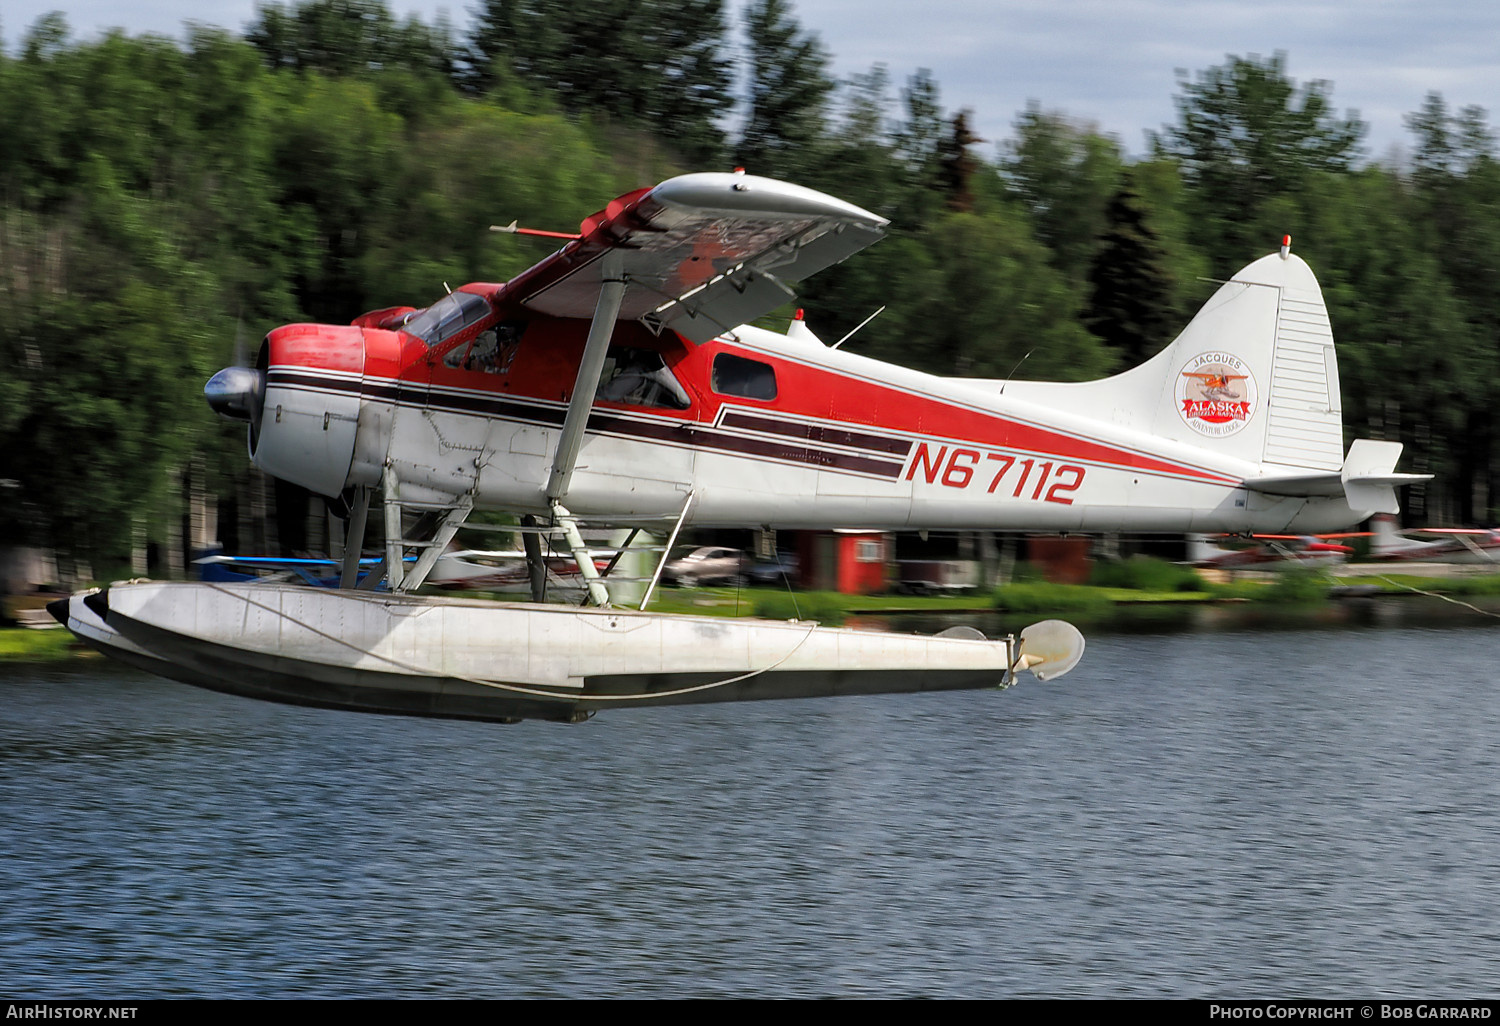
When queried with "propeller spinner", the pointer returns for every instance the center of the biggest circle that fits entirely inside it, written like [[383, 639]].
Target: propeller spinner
[[236, 393]]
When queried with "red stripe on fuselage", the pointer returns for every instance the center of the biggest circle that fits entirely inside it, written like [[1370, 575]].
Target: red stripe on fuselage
[[849, 401], [547, 361]]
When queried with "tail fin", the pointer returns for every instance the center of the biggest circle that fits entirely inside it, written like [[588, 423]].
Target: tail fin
[[1201, 548], [1253, 376], [1269, 325], [1387, 542]]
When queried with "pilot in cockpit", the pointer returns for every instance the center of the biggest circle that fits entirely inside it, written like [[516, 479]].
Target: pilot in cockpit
[[492, 351], [482, 353]]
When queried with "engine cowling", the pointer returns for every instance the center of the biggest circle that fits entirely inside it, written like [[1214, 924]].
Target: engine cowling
[[302, 402]]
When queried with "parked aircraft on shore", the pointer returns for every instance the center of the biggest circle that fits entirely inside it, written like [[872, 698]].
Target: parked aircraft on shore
[[1271, 552], [617, 382], [1448, 544]]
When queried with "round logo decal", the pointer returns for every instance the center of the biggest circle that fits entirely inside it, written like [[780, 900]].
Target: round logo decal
[[1216, 394]]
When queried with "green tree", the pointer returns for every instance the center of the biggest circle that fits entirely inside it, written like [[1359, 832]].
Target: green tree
[[1455, 182], [918, 136], [1411, 366], [787, 93], [654, 64], [335, 161], [106, 327], [997, 301], [482, 166], [1247, 134], [341, 37], [1131, 289], [857, 157], [1065, 175], [1168, 213], [1449, 146]]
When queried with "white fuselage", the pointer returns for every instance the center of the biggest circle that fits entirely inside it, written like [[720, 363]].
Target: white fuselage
[[968, 457]]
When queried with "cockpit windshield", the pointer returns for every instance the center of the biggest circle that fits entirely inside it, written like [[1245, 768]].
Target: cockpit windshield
[[447, 317]]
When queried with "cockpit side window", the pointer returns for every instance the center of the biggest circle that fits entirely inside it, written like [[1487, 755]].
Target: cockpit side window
[[748, 379], [640, 377], [491, 351], [447, 317]]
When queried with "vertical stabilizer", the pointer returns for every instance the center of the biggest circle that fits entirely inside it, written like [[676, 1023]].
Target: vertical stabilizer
[[1388, 543], [1201, 549], [1252, 376]]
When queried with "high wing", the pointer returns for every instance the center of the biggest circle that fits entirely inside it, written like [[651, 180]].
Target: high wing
[[699, 254]]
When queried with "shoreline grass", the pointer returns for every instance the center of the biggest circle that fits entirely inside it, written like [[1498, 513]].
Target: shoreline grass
[[28, 645]]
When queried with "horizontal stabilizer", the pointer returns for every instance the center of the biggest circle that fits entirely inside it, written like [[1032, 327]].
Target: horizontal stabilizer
[[1370, 478], [1367, 480], [1305, 486]]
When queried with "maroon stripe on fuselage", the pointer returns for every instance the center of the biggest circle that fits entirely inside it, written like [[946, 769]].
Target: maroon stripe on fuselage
[[817, 433], [673, 431]]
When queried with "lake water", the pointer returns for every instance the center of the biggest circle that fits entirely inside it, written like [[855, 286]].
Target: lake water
[[1231, 808]]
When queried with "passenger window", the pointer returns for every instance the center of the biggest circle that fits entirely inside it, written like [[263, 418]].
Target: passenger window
[[639, 377], [749, 379]]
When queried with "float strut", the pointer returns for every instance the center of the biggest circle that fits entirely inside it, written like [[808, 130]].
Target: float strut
[[598, 594]]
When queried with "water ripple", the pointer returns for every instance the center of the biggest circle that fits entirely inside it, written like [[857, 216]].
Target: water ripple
[[1223, 813]]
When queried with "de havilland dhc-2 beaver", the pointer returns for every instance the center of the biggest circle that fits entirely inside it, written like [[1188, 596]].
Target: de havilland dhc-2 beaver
[[618, 382]]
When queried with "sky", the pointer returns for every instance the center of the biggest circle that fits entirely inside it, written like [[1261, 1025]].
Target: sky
[[1110, 63]]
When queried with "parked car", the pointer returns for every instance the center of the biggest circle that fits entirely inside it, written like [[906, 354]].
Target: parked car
[[772, 571], [711, 564], [936, 576]]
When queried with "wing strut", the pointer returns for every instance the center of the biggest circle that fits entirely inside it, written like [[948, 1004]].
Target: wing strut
[[1469, 544], [611, 292]]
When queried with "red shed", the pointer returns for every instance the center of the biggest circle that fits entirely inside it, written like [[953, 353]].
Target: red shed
[[1063, 560], [846, 560]]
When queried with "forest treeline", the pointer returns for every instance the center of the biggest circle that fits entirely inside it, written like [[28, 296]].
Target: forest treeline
[[165, 202]]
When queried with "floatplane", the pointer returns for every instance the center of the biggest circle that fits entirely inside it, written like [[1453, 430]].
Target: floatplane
[[1465, 545], [1272, 551], [619, 382]]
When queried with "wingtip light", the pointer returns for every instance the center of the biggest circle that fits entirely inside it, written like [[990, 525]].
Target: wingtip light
[[1286, 246]]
